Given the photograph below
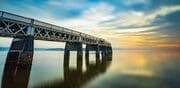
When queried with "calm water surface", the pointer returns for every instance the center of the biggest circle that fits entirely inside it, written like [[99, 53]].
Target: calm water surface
[[128, 69]]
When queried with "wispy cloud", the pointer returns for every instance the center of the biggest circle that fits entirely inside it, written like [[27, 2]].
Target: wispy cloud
[[133, 19], [132, 2]]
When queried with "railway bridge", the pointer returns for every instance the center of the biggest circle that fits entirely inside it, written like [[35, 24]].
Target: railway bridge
[[25, 30]]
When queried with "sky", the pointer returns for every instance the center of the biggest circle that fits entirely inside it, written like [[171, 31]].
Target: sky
[[124, 23]]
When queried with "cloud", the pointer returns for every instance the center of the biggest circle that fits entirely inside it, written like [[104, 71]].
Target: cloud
[[163, 11], [124, 27], [89, 19], [67, 3], [132, 2], [27, 10], [133, 19], [101, 16]]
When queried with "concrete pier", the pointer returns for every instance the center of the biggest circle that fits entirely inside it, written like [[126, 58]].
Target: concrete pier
[[106, 52], [18, 63], [92, 47], [21, 51], [73, 46]]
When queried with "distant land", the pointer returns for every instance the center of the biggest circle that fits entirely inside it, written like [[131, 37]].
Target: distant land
[[4, 48], [38, 49]]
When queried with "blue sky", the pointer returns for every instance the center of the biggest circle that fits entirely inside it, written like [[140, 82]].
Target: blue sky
[[125, 23]]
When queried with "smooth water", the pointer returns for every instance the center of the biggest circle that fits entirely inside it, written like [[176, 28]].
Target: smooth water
[[128, 69]]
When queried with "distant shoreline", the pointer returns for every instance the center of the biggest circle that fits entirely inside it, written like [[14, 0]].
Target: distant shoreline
[[36, 49]]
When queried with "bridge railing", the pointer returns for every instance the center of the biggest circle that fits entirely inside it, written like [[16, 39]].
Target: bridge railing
[[15, 17], [82, 37]]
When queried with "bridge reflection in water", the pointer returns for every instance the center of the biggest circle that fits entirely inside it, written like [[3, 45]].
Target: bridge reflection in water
[[17, 74]]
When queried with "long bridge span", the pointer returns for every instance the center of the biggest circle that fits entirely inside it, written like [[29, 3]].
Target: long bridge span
[[25, 30]]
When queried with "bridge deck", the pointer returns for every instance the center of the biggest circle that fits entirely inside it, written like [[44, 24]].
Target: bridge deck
[[12, 25]]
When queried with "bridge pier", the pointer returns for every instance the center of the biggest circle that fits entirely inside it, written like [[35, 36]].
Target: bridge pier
[[103, 52], [106, 52], [15, 75], [18, 63], [92, 47], [73, 46], [21, 51]]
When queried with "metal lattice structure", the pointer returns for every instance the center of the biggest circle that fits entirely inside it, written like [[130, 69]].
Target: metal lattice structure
[[12, 25]]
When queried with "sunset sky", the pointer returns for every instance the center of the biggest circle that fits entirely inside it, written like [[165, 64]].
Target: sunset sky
[[124, 23]]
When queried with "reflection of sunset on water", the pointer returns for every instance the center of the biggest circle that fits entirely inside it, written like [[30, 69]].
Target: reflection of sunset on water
[[139, 62], [131, 63]]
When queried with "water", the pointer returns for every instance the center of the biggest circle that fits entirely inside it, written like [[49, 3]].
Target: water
[[128, 69]]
